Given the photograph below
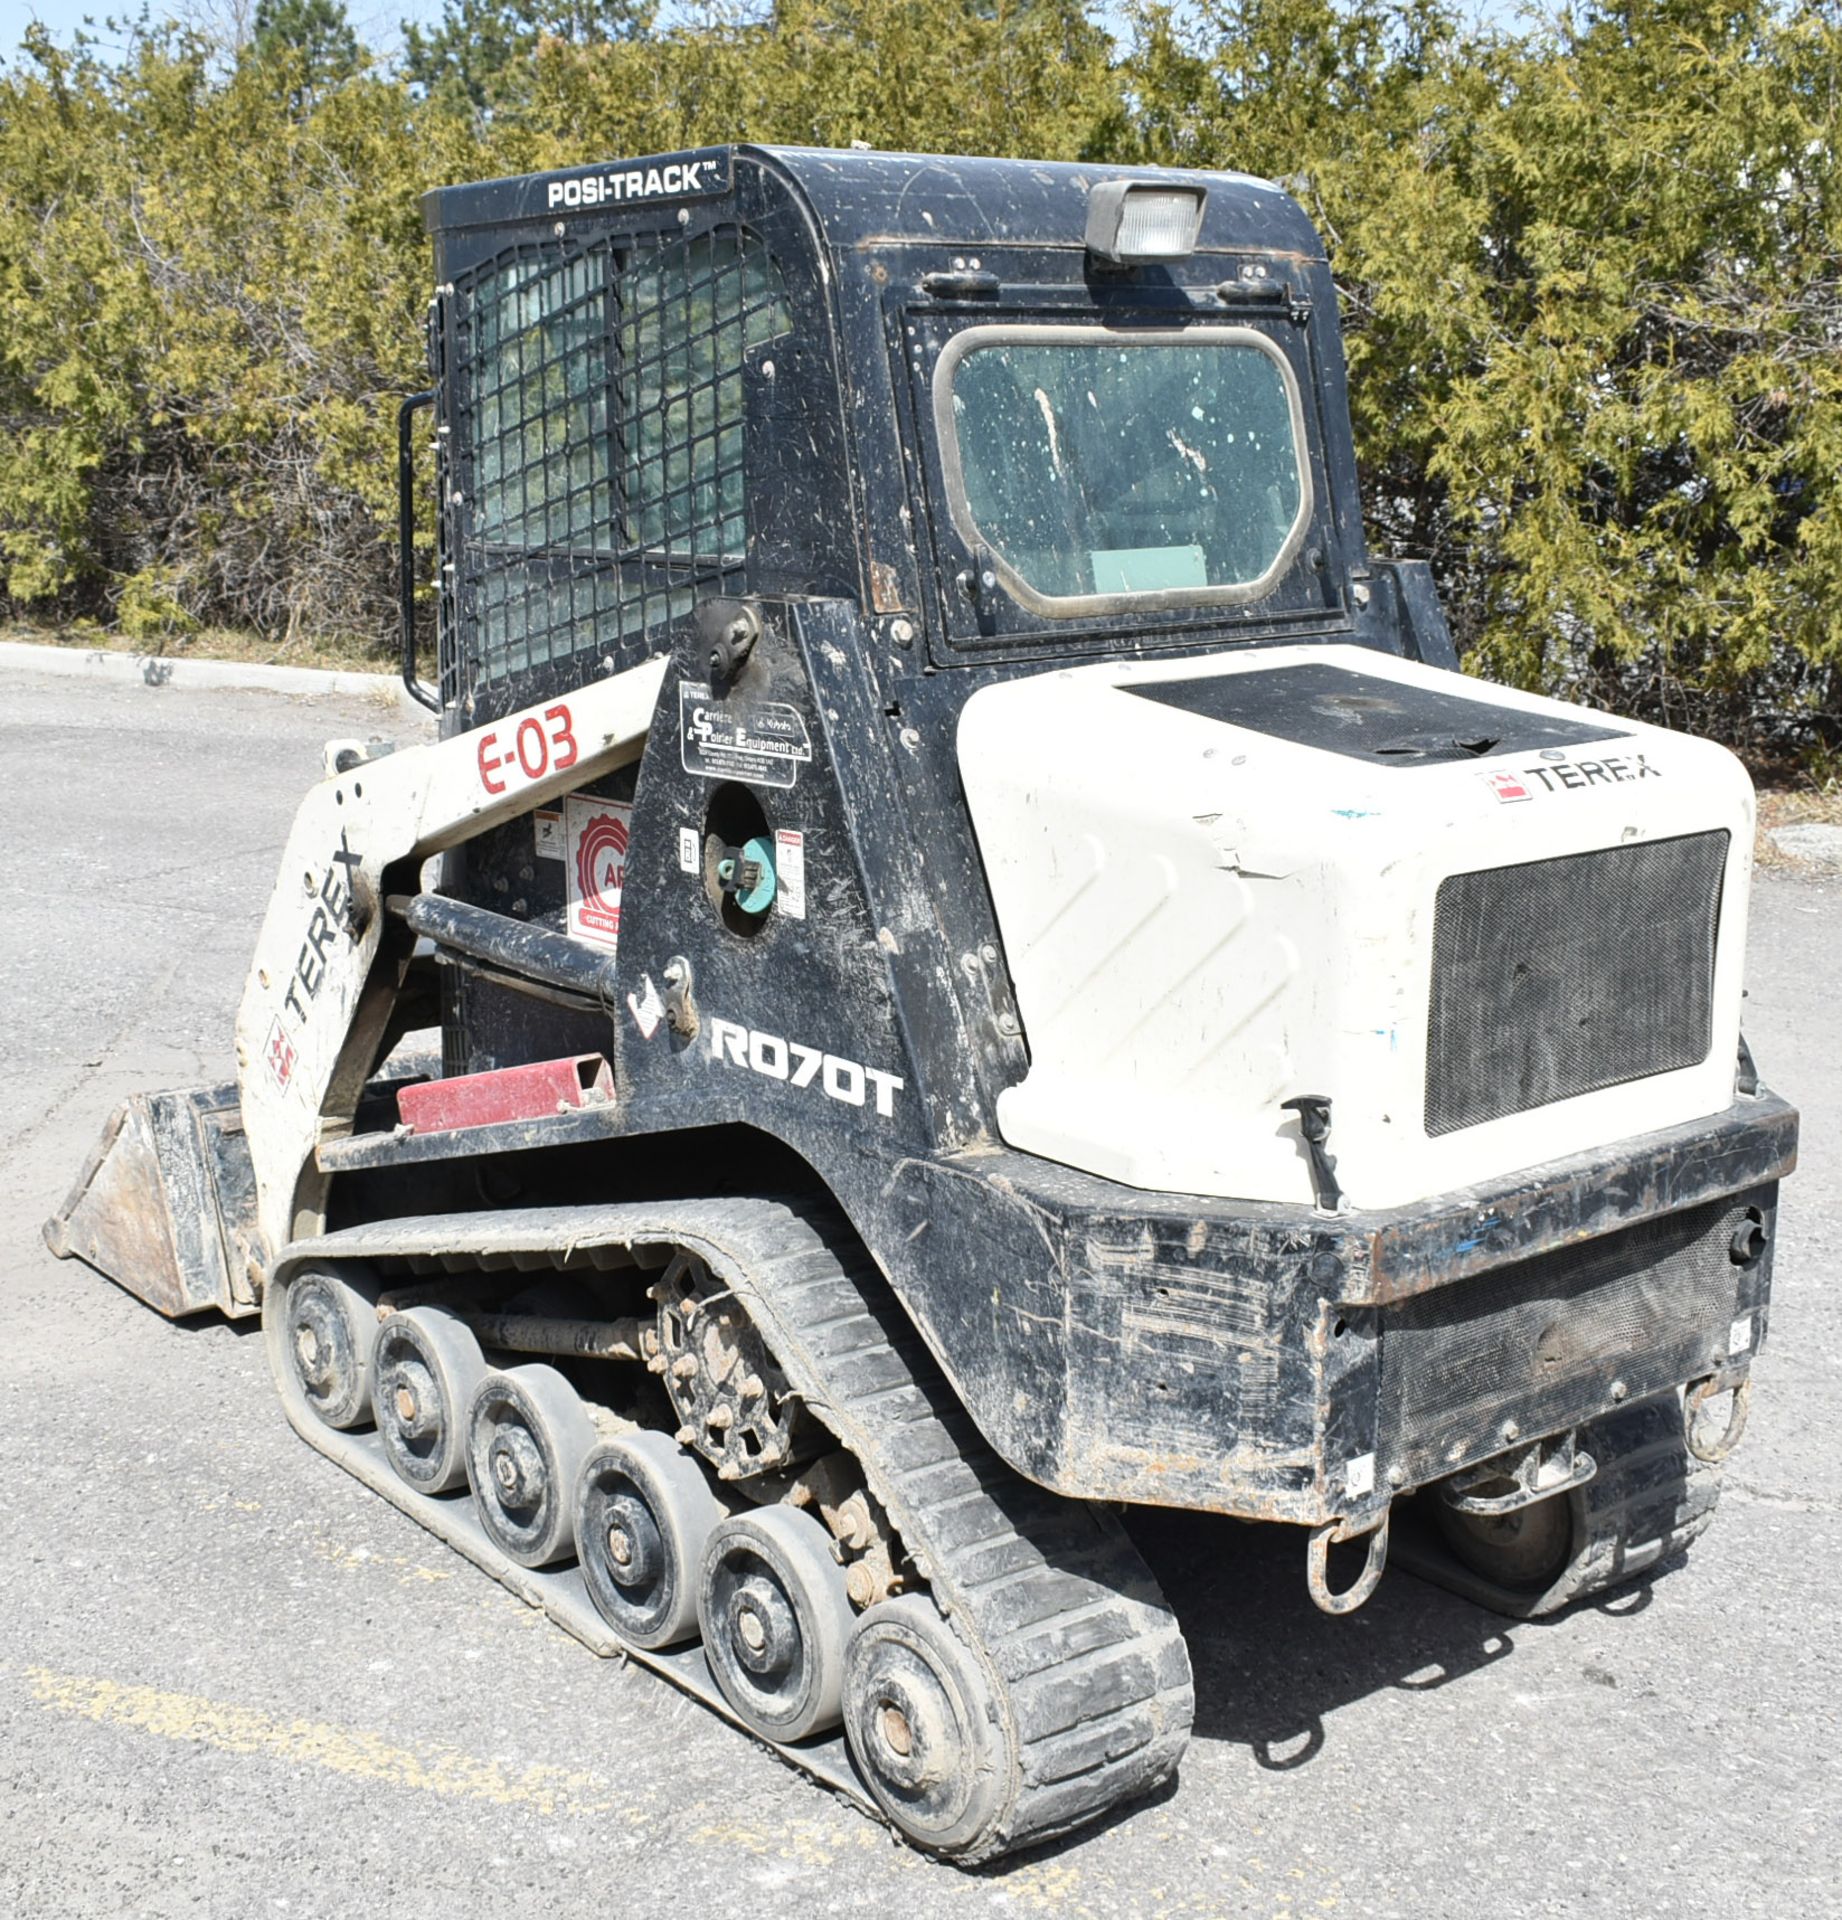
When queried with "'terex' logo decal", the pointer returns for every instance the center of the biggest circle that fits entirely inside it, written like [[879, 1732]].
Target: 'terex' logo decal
[[1559, 776]]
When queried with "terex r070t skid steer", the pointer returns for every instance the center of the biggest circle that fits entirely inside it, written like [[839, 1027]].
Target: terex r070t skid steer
[[987, 966]]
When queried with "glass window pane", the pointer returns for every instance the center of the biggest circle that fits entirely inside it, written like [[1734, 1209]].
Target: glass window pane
[[1102, 467]]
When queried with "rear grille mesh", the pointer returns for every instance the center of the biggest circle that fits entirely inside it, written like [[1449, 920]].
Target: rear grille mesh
[[1564, 976]]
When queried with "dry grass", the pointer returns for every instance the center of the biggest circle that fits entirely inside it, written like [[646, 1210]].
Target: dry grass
[[211, 643], [1795, 804]]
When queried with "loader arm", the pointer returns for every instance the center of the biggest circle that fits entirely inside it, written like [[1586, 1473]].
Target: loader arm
[[323, 979]]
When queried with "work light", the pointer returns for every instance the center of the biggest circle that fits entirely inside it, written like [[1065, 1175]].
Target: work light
[[1128, 222]]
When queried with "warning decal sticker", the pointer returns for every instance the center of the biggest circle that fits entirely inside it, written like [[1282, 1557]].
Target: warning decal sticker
[[596, 866], [790, 872], [646, 1007], [763, 742], [280, 1053]]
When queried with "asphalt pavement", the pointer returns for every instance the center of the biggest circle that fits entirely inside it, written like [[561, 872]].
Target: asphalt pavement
[[234, 1683]]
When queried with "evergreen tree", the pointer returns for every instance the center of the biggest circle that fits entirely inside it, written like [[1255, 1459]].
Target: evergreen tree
[[314, 37], [1590, 270], [480, 52]]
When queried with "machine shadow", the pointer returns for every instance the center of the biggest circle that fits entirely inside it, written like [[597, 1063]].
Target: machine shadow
[[1270, 1667], [212, 1321]]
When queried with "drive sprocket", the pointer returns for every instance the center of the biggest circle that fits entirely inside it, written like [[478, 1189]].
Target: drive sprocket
[[733, 1403]]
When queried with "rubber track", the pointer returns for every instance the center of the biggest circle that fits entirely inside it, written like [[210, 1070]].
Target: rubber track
[[1085, 1658], [1649, 1500]]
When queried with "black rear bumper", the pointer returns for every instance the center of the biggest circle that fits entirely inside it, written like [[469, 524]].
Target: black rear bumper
[[1281, 1364]]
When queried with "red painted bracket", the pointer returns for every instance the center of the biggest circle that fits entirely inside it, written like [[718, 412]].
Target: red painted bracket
[[532, 1092]]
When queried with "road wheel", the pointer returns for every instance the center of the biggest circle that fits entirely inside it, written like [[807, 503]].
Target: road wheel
[[1524, 1551], [644, 1515], [527, 1437], [425, 1369], [775, 1617], [922, 1722], [328, 1338]]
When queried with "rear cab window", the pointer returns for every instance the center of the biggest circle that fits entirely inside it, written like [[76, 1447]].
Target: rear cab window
[[1102, 477], [1108, 471]]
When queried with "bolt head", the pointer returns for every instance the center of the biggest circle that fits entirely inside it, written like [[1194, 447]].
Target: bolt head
[[859, 1584]]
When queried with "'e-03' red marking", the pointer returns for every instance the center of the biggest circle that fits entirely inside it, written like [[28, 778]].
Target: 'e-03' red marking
[[533, 750]]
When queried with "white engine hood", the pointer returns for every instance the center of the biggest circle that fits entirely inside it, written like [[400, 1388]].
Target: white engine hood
[[1204, 917]]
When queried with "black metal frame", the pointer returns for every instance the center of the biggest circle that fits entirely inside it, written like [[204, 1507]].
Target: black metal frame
[[1030, 1280], [406, 543]]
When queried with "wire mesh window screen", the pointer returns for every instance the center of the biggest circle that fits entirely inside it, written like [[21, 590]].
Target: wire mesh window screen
[[601, 413]]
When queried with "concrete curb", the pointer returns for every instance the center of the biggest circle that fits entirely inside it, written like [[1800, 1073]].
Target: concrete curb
[[158, 671]]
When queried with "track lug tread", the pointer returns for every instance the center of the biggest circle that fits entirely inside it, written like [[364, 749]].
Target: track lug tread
[[1051, 1594]]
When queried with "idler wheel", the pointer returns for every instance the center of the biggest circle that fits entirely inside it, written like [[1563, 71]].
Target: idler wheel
[[328, 1336], [774, 1613], [644, 1515], [1524, 1551], [527, 1437], [922, 1723], [426, 1367]]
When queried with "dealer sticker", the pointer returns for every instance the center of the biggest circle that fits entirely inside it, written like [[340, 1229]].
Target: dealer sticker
[[596, 866], [762, 742]]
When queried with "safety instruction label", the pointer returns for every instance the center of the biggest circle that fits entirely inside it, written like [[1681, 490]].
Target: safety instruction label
[[790, 872], [762, 742], [547, 833], [597, 832]]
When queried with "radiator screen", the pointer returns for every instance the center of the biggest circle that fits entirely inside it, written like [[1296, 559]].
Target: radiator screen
[[1564, 976]]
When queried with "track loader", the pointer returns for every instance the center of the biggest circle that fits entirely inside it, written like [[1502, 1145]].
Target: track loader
[[964, 959]]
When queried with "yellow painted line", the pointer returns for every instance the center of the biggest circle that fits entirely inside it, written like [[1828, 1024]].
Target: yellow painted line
[[444, 1771]]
